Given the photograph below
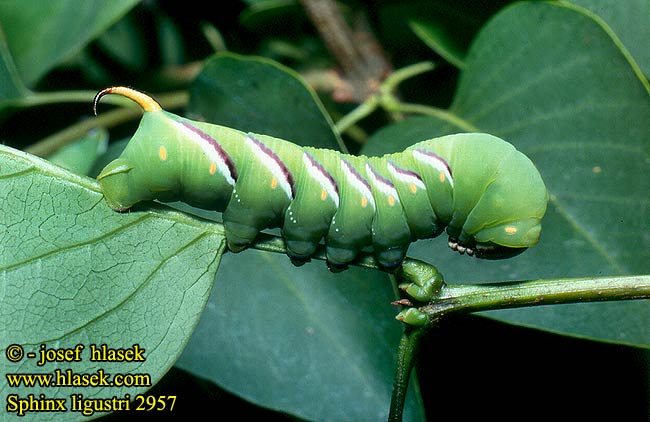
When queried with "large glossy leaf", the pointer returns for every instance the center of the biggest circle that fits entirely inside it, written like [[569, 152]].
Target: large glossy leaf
[[11, 86], [72, 272], [271, 16], [447, 27], [550, 79], [124, 42], [439, 40], [43, 34], [628, 20], [80, 156], [318, 345], [255, 94]]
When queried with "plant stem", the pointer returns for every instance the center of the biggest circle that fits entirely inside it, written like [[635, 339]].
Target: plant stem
[[50, 144], [433, 112], [45, 98], [483, 297], [386, 99], [407, 352], [356, 50], [389, 86], [270, 243], [466, 298], [362, 110]]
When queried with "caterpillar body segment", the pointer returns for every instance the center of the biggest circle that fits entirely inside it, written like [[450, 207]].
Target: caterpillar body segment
[[488, 196]]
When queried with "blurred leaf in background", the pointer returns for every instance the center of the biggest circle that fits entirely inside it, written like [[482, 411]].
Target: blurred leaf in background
[[43, 35]]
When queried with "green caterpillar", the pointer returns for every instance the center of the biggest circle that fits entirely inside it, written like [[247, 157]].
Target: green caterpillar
[[488, 196]]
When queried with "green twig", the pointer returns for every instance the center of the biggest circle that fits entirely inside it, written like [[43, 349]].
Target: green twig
[[386, 99], [456, 299], [482, 297], [407, 352], [270, 243], [34, 99], [363, 110], [392, 81], [438, 113], [52, 143], [466, 298]]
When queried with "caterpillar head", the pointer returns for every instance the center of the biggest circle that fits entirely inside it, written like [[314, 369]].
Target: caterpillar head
[[506, 219], [507, 240], [500, 242]]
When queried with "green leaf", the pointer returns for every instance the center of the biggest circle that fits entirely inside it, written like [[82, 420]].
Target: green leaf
[[172, 50], [125, 43], [447, 27], [321, 346], [79, 156], [272, 16], [550, 79], [324, 345], [440, 41], [259, 95], [74, 272], [43, 34], [11, 87], [629, 21], [254, 2]]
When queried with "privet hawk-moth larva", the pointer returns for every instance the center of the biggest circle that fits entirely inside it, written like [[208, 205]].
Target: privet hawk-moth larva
[[488, 196]]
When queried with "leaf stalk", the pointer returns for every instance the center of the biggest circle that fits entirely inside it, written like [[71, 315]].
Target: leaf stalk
[[407, 353], [387, 99], [466, 298]]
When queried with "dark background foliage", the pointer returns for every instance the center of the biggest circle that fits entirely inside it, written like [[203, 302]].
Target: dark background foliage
[[470, 367]]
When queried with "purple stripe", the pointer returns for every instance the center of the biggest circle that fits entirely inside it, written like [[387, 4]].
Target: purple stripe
[[357, 175], [323, 171], [214, 144], [434, 155], [380, 177], [406, 172], [285, 171]]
